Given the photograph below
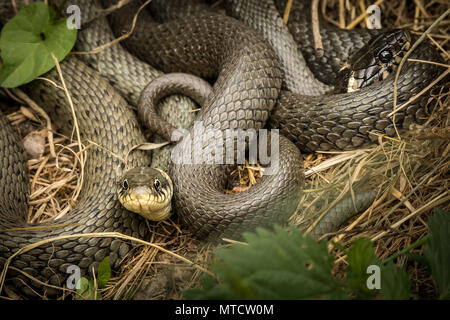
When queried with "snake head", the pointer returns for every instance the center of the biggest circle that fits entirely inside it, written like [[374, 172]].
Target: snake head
[[146, 191], [375, 61]]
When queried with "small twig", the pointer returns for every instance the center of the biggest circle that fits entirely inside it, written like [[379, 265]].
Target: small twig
[[93, 235], [105, 12], [341, 14], [318, 45], [442, 76], [77, 159], [95, 144], [137, 267], [38, 171], [53, 226], [95, 283], [117, 40], [341, 157], [74, 116], [232, 241], [39, 281], [413, 47], [325, 16], [362, 6], [287, 11], [432, 203], [416, 19], [430, 62], [421, 8], [438, 45], [402, 62]]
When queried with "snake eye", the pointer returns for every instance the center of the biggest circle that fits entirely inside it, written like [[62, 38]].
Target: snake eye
[[157, 185], [385, 56], [125, 185]]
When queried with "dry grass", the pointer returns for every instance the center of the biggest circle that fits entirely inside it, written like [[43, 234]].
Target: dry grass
[[54, 180], [411, 174]]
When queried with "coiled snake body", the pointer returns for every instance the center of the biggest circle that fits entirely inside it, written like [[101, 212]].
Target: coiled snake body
[[245, 93]]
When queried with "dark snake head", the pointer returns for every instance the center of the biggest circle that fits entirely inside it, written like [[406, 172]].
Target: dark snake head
[[146, 191], [375, 61]]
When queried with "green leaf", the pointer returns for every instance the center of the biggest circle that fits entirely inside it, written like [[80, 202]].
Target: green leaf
[[395, 283], [437, 251], [104, 273], [82, 292], [87, 287], [27, 41], [273, 265], [87, 290], [360, 256]]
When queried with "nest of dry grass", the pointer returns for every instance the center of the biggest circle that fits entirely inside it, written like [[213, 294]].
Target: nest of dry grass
[[410, 172]]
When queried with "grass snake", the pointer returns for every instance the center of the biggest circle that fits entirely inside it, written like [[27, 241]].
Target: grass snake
[[250, 90]]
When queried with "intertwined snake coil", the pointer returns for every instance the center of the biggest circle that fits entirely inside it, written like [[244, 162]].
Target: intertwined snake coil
[[248, 87]]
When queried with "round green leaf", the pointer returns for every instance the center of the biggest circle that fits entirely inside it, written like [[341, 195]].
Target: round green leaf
[[27, 41]]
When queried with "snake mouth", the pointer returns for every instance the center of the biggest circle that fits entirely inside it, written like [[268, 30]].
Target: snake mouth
[[147, 192], [151, 206]]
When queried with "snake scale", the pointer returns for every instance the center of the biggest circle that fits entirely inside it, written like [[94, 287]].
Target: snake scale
[[249, 76]]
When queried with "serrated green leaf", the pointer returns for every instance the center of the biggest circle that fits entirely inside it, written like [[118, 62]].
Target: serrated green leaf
[[395, 283], [360, 256], [273, 265], [437, 251], [104, 273], [27, 41]]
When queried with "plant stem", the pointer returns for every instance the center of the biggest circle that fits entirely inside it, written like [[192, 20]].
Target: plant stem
[[414, 245]]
